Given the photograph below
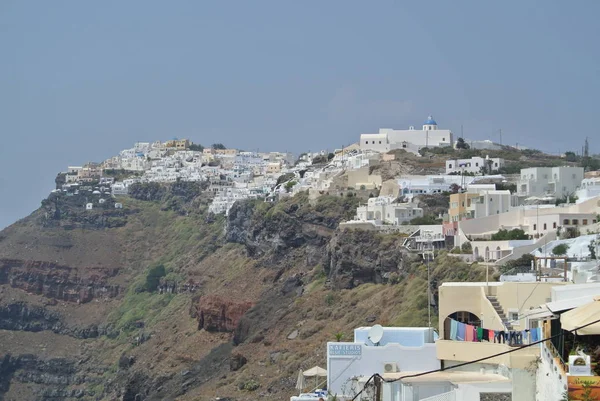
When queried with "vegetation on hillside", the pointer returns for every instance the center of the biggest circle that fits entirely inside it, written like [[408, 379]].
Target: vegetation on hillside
[[506, 235]]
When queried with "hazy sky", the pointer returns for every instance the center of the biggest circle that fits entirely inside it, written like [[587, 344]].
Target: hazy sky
[[81, 80]]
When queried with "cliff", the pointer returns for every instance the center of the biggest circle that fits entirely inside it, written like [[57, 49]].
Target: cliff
[[175, 303]]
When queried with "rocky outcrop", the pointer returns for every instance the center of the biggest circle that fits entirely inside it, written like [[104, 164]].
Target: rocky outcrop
[[274, 230], [59, 282], [215, 313], [50, 379], [23, 317], [357, 257]]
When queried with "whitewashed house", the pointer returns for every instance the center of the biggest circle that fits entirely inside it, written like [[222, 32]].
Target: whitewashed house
[[474, 165], [411, 140]]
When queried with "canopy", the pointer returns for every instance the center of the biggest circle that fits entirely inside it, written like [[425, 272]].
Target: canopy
[[581, 316], [300, 384], [316, 371]]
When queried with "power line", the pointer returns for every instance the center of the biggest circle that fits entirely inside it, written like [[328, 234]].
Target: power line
[[470, 362]]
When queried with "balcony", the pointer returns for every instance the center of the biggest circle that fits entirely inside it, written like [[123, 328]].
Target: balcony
[[465, 351]]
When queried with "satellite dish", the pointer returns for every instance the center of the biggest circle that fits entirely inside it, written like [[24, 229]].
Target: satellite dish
[[375, 334]]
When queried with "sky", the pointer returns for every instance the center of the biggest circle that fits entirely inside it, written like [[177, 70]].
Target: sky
[[79, 81]]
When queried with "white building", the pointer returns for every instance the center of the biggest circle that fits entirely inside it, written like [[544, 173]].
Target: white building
[[492, 202], [384, 209], [473, 165], [549, 181], [411, 139], [589, 188], [401, 349], [433, 184]]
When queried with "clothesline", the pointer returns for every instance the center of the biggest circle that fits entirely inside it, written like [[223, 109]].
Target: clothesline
[[465, 332]]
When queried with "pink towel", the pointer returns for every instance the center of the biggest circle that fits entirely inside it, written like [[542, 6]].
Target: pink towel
[[469, 333], [492, 335]]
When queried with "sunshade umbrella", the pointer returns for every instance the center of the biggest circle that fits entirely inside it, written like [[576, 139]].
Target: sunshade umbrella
[[581, 316]]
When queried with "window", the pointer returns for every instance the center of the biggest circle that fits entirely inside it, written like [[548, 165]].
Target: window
[[373, 142], [491, 199], [449, 165], [534, 227], [575, 222], [585, 222], [495, 164], [443, 139], [380, 142], [366, 142], [476, 164], [566, 222], [554, 225], [545, 227], [513, 316]]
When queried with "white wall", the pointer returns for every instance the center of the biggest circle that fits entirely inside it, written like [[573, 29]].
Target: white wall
[[550, 384], [472, 391], [371, 360]]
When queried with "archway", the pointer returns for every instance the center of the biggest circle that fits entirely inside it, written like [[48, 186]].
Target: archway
[[487, 253], [498, 253], [476, 253], [463, 317]]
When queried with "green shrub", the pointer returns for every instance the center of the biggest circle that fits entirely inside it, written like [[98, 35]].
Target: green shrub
[[153, 276], [466, 247], [505, 235], [251, 385], [560, 249]]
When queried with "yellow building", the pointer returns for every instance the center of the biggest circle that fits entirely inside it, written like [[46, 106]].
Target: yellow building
[[495, 306], [179, 144], [460, 204]]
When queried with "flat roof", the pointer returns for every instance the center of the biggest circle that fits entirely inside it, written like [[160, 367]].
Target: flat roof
[[448, 376]]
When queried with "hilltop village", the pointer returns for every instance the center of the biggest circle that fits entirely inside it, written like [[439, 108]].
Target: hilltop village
[[396, 174]]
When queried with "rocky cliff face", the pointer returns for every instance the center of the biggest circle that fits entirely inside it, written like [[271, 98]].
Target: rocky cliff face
[[23, 317], [58, 282], [356, 257], [274, 230], [217, 313]]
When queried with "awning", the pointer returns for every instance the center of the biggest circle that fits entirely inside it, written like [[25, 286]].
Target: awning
[[539, 313], [581, 316], [571, 303], [452, 376], [316, 371]]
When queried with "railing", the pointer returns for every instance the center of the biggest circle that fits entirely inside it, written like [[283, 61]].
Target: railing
[[449, 396], [555, 354]]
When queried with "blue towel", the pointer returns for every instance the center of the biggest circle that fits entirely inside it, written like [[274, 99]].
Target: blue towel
[[453, 329], [460, 332], [535, 334]]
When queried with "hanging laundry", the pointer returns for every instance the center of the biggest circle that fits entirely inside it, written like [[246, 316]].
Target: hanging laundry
[[460, 333], [453, 329], [475, 339], [480, 331], [469, 333], [492, 335]]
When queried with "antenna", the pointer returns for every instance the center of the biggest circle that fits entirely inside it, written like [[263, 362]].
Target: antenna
[[375, 334]]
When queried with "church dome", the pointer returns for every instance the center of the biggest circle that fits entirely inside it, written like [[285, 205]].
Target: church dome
[[430, 121]]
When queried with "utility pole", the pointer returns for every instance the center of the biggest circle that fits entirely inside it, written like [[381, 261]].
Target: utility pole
[[428, 254], [377, 381]]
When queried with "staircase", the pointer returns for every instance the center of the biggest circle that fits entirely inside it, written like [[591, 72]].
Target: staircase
[[500, 312]]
